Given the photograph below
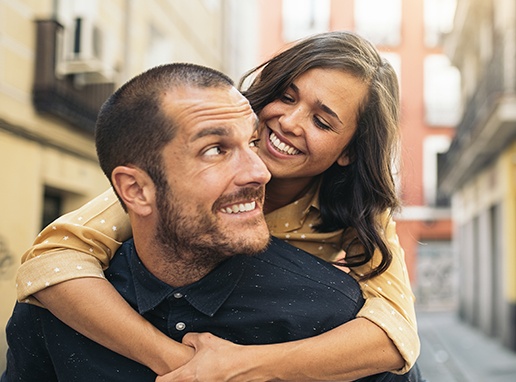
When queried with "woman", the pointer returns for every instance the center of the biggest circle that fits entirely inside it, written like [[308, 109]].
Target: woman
[[328, 110]]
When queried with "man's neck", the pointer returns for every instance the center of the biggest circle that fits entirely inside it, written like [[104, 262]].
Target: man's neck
[[175, 269]]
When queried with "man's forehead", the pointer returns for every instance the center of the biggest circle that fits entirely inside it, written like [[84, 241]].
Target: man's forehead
[[191, 96], [201, 107]]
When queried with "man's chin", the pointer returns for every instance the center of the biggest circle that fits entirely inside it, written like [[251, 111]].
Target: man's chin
[[253, 242], [259, 246]]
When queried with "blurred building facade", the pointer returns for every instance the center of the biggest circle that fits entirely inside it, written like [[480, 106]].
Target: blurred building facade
[[407, 33], [59, 61], [479, 170]]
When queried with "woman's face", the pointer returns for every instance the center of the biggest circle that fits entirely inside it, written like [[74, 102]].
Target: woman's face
[[306, 130]]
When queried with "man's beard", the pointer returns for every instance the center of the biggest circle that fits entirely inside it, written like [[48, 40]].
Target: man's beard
[[198, 239]]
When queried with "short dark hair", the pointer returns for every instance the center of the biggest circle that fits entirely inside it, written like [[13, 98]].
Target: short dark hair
[[131, 127]]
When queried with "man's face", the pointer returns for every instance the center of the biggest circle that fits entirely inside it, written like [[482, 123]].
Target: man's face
[[213, 207]]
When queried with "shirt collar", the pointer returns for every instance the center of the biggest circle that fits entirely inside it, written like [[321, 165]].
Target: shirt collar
[[206, 295], [292, 216], [314, 199]]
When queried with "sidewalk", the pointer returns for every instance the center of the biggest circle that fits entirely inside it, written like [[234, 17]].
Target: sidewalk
[[452, 351]]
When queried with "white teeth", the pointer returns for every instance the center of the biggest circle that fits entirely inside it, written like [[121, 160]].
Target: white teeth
[[236, 208], [282, 146]]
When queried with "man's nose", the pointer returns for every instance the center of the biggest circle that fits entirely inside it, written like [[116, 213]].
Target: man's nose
[[252, 170]]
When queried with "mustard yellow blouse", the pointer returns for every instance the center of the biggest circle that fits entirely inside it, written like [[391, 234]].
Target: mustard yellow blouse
[[81, 244]]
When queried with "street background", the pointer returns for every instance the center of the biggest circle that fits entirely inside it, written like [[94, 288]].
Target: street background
[[452, 351], [456, 63]]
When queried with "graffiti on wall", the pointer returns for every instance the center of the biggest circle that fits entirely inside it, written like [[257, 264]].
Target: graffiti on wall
[[6, 259], [436, 276]]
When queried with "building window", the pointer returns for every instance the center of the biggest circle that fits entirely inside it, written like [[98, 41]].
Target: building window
[[52, 206], [83, 36], [379, 21], [68, 10], [432, 147], [438, 16], [305, 17], [442, 91]]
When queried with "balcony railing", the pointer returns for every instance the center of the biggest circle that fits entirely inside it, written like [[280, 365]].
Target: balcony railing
[[479, 108], [63, 97]]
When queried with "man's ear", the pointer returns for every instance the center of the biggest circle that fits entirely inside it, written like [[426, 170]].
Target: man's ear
[[135, 188]]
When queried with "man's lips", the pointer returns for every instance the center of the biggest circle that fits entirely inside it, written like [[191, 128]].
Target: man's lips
[[239, 208], [245, 200]]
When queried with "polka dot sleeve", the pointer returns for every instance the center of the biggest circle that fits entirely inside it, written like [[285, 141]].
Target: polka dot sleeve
[[390, 301], [78, 244], [52, 268]]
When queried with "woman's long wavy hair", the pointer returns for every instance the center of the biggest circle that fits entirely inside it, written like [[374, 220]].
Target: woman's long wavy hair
[[353, 196]]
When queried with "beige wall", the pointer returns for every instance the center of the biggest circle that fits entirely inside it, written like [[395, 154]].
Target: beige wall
[[26, 167], [488, 280]]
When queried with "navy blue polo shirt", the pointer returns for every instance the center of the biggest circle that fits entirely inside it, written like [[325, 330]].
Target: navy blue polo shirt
[[282, 294]]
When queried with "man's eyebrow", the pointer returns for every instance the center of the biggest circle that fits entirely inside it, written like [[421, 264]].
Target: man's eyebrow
[[220, 131], [322, 106]]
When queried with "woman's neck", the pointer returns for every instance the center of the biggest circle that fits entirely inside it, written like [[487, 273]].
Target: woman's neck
[[280, 192]]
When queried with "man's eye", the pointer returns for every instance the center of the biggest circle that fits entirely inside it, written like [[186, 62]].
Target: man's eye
[[254, 143], [213, 151]]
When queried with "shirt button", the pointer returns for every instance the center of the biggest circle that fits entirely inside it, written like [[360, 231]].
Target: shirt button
[[178, 295], [180, 326]]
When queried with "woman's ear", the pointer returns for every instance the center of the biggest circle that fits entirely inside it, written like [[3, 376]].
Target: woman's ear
[[135, 188], [343, 160]]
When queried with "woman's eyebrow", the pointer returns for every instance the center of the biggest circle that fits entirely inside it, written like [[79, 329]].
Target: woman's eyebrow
[[328, 110], [319, 104]]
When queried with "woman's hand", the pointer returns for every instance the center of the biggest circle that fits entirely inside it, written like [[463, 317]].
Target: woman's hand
[[340, 256], [215, 360], [348, 352]]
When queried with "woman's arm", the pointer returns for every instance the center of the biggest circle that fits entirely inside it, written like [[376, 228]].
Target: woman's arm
[[74, 245], [390, 301], [353, 350], [93, 307], [64, 271]]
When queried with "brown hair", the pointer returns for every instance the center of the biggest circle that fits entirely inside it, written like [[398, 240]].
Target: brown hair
[[354, 196]]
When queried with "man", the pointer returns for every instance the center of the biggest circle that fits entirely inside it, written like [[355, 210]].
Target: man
[[177, 143]]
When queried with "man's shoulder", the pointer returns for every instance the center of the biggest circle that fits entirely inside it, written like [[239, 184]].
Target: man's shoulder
[[123, 255], [293, 260], [281, 252]]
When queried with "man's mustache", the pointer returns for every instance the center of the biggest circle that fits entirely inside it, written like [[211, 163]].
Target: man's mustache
[[244, 194]]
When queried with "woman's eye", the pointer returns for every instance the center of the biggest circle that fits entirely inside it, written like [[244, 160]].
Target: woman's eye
[[287, 98], [321, 124], [213, 151]]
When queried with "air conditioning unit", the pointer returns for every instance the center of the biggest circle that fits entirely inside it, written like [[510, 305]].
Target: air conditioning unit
[[82, 53]]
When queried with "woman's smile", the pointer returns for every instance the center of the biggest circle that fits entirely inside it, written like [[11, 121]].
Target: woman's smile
[[282, 146]]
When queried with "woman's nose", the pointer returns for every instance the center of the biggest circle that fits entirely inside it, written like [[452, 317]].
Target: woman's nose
[[293, 120]]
